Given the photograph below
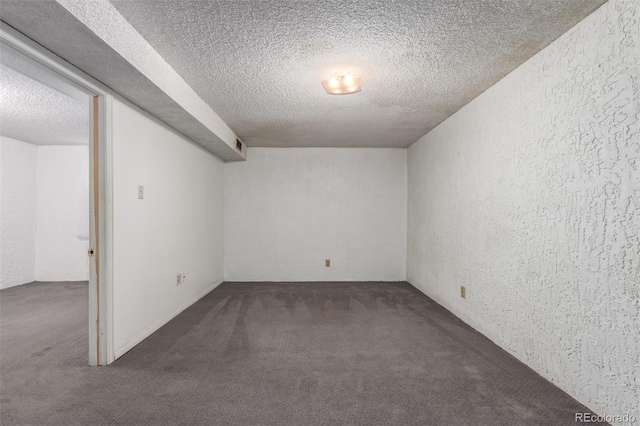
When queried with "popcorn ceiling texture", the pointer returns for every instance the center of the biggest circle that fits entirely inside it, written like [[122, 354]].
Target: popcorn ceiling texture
[[530, 197], [33, 112], [259, 64]]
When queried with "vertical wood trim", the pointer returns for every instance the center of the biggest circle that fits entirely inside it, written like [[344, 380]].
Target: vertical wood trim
[[96, 216]]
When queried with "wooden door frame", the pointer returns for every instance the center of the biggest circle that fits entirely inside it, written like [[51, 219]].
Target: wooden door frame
[[100, 321]]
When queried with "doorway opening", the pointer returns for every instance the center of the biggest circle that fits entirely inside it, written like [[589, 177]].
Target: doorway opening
[[53, 192]]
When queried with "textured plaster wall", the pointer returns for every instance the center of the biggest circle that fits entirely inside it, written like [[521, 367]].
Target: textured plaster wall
[[62, 213], [286, 210], [17, 212], [177, 227], [530, 197]]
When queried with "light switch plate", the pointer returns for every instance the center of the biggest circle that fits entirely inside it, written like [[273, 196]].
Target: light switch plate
[[140, 192]]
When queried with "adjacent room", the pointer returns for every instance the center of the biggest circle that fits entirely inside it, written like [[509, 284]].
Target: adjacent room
[[44, 220], [321, 213]]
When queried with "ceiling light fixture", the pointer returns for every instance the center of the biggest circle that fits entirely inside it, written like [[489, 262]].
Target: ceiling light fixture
[[342, 84]]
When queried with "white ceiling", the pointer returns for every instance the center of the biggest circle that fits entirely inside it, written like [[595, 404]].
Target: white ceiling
[[37, 113], [259, 64]]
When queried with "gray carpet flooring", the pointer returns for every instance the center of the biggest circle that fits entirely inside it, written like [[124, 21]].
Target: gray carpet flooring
[[269, 354]]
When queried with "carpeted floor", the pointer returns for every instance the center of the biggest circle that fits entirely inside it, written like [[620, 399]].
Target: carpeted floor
[[269, 354]]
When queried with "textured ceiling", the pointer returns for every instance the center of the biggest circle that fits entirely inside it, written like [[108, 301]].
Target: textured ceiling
[[78, 36], [259, 64], [33, 112]]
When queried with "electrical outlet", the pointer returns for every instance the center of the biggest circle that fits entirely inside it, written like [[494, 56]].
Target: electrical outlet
[[181, 278], [327, 263], [463, 292]]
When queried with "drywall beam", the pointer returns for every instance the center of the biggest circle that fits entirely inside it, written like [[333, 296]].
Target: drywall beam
[[94, 37]]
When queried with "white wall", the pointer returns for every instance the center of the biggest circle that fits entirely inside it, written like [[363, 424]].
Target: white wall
[[44, 209], [530, 197], [289, 209], [177, 227], [62, 213], [17, 212]]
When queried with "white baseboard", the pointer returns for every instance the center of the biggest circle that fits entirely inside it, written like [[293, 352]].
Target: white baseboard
[[158, 324]]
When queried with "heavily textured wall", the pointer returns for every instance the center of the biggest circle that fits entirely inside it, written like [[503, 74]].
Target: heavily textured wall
[[177, 227], [530, 197], [62, 213], [17, 212], [289, 209]]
